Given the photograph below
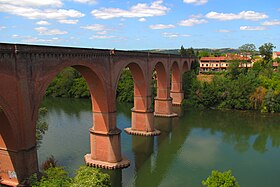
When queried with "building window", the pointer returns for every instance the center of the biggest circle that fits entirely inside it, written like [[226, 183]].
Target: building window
[[216, 65], [202, 64], [226, 64], [207, 65]]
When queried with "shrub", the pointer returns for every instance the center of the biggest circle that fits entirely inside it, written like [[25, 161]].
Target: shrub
[[219, 179], [88, 176]]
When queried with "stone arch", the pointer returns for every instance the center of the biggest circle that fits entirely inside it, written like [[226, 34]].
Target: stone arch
[[140, 85], [185, 67], [175, 76], [97, 88], [162, 81], [176, 84], [142, 118], [163, 101]]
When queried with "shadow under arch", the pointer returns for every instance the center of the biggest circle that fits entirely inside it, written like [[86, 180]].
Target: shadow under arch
[[140, 87], [9, 161], [162, 82], [176, 84], [163, 101], [185, 67]]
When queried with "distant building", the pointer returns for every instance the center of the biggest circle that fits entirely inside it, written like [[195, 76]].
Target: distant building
[[275, 55], [221, 63]]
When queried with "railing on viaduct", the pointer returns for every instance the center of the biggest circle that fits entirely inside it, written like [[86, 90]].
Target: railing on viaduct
[[27, 70]]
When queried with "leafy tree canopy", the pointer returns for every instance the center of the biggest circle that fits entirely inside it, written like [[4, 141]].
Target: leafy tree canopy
[[266, 51]]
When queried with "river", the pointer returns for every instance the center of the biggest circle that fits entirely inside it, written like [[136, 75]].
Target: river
[[185, 153]]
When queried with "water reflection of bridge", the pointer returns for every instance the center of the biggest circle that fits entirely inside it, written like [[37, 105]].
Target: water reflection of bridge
[[151, 167], [168, 145]]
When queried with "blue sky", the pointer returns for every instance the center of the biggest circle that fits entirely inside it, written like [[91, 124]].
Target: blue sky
[[141, 24]]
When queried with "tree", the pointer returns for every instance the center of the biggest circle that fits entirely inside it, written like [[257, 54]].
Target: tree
[[219, 179], [190, 51], [183, 51], [125, 89], [247, 48], [203, 54], [266, 51]]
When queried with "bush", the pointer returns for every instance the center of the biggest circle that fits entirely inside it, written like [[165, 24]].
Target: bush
[[53, 176], [219, 179], [88, 176]]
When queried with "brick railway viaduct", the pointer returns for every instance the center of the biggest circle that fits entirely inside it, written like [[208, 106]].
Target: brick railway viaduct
[[27, 70]]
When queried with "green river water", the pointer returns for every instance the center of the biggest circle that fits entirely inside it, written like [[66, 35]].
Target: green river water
[[185, 153]]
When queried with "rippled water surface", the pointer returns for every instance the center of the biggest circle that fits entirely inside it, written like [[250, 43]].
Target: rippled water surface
[[185, 153]]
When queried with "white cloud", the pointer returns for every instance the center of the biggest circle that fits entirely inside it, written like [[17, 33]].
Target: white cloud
[[246, 15], [101, 37], [224, 31], [102, 32], [32, 3], [174, 35], [271, 23], [162, 26], [191, 22], [252, 28], [2, 27], [31, 39], [39, 40], [139, 10], [201, 146], [142, 19], [42, 23], [34, 13], [196, 2], [86, 1], [49, 32], [68, 21], [94, 27]]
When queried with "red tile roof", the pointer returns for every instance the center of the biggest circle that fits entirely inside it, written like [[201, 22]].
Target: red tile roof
[[223, 58]]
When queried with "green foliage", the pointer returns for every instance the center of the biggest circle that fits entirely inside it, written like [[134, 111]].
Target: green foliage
[[219, 179], [183, 51], [125, 89], [41, 126], [56, 176], [277, 60], [188, 78], [233, 70], [247, 48], [68, 83], [266, 51], [53, 176], [88, 176], [189, 51], [203, 54], [79, 89], [257, 88], [223, 92]]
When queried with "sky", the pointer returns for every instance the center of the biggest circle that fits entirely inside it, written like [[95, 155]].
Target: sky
[[141, 24]]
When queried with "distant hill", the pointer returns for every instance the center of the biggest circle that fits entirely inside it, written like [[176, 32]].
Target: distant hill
[[177, 51]]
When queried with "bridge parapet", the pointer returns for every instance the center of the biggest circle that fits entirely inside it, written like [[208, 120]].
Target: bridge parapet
[[55, 51]]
